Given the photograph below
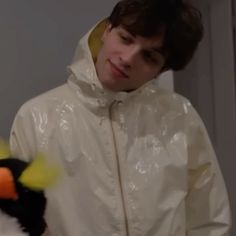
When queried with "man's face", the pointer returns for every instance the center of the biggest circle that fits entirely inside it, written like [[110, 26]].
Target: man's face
[[126, 62]]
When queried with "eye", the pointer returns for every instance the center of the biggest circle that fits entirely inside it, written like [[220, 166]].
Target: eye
[[125, 38]]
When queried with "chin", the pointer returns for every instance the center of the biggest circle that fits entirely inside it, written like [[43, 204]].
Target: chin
[[113, 88], [9, 226]]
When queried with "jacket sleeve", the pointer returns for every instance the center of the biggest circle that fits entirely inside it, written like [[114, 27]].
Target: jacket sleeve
[[207, 205], [22, 136]]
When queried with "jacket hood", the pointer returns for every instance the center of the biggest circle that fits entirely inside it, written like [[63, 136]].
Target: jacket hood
[[84, 76], [82, 65]]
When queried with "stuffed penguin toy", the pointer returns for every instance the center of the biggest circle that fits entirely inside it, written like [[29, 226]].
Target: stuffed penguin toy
[[22, 199]]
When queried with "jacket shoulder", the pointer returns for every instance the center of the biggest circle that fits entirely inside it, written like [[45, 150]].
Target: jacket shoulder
[[46, 101], [41, 112], [173, 108], [169, 101], [45, 107], [35, 121]]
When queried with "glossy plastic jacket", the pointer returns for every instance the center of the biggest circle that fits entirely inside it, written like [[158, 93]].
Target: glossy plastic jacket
[[134, 164]]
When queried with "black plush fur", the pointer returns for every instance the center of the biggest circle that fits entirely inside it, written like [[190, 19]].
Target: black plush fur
[[30, 206]]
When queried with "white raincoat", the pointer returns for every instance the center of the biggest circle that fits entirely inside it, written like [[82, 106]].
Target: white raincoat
[[134, 164]]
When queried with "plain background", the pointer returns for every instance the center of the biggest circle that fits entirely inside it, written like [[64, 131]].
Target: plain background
[[209, 82], [37, 42], [38, 38]]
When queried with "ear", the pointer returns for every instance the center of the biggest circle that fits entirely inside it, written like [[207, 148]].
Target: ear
[[164, 69], [107, 30]]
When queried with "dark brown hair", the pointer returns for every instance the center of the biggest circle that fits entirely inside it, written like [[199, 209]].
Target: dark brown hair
[[179, 21]]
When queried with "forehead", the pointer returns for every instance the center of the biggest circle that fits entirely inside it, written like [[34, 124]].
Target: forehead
[[155, 41]]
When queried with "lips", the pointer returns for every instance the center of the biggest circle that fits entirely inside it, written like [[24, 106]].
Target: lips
[[116, 71]]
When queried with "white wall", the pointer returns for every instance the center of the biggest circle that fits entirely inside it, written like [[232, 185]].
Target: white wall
[[209, 82], [37, 42]]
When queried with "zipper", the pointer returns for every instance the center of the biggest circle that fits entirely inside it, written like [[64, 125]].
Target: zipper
[[119, 170]]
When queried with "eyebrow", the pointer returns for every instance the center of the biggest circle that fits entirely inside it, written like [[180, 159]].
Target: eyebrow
[[159, 50]]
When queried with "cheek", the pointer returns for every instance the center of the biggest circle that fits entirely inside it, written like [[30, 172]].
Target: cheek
[[104, 54], [112, 47], [111, 52]]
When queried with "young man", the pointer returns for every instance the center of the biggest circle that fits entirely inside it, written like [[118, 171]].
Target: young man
[[136, 159]]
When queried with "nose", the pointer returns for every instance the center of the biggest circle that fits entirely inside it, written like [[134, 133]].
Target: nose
[[128, 57]]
